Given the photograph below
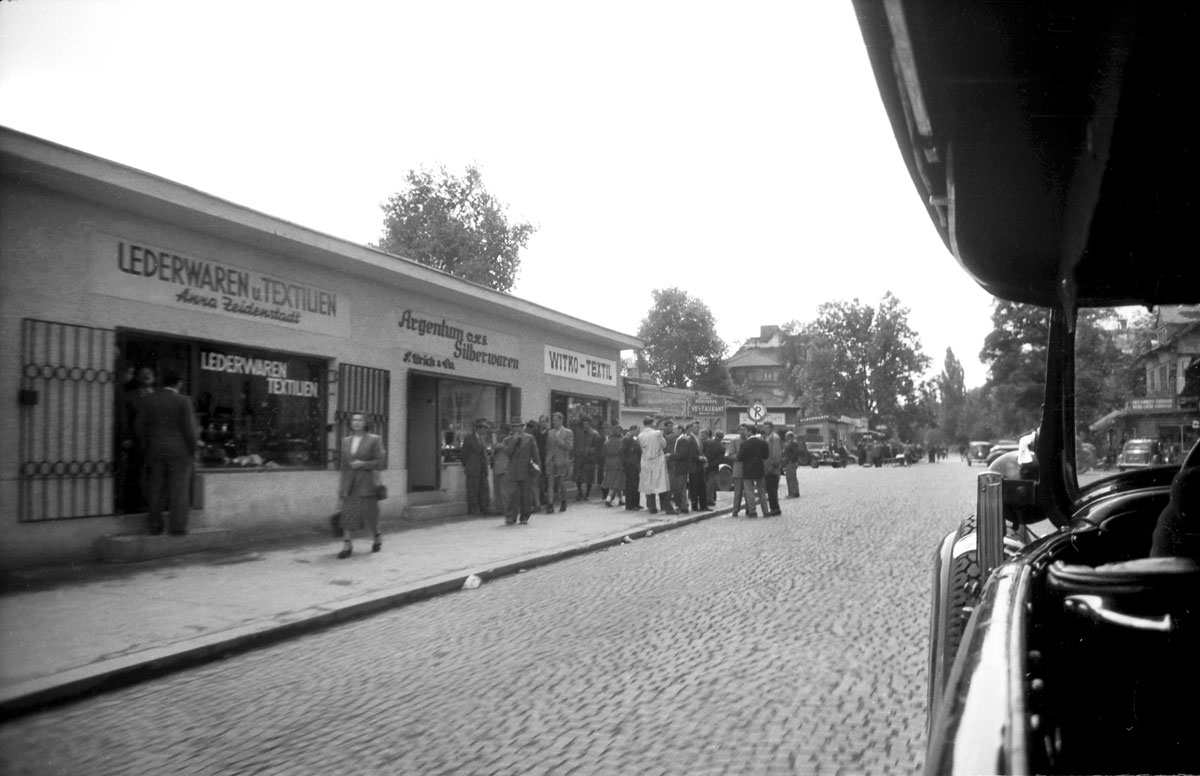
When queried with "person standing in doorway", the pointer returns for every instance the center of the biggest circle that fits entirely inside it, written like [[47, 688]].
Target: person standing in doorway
[[774, 466], [585, 438], [541, 480], [560, 447], [475, 466], [362, 456], [166, 429], [131, 480], [500, 467]]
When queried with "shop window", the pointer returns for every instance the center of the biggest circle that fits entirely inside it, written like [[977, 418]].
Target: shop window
[[573, 408], [459, 405], [254, 408]]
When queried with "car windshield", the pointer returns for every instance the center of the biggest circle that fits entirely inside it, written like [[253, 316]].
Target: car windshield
[[1137, 381]]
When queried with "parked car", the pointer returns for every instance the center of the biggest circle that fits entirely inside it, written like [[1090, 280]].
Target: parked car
[[1138, 454], [820, 454], [1041, 139], [977, 452]]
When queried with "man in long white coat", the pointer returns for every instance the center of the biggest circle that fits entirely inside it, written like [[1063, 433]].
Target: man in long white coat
[[653, 480]]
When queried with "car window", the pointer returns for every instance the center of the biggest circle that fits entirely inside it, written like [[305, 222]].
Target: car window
[[1137, 380]]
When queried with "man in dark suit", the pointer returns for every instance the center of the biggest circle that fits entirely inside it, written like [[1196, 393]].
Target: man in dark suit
[[522, 451], [475, 466], [166, 429]]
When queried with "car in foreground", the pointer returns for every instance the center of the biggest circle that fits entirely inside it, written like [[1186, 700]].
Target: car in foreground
[[1046, 142], [1138, 454], [1000, 448]]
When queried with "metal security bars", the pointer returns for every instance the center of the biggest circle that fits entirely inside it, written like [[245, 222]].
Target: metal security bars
[[67, 405], [360, 389]]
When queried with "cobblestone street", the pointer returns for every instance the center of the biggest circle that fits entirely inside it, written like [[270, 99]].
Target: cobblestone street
[[795, 644]]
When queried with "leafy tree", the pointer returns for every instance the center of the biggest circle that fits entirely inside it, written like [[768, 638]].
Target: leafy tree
[[455, 225], [682, 347], [861, 361], [1015, 352], [952, 391]]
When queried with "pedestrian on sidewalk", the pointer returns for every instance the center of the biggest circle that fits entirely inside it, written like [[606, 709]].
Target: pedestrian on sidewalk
[[774, 466], [475, 465], [500, 467], [362, 458], [631, 461], [735, 463], [166, 429], [652, 477], [753, 455], [791, 460], [560, 447], [613, 485], [585, 458], [713, 449], [540, 435], [521, 450]]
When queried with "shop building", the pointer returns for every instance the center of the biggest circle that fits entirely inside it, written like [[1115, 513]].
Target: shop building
[[279, 332]]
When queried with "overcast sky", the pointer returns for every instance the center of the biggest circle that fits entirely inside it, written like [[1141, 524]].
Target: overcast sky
[[737, 151]]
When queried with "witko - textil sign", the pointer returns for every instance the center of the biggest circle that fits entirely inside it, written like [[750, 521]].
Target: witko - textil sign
[[580, 366], [130, 268]]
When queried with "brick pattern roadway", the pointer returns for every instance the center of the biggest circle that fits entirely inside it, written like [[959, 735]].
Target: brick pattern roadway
[[794, 644]]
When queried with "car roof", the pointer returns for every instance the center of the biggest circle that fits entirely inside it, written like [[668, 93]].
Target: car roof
[[1049, 141]]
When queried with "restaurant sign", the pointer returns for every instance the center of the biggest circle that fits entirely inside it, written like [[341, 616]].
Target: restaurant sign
[[136, 270]]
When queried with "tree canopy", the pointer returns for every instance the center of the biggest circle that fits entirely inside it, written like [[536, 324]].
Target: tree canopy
[[861, 361], [455, 225], [682, 347]]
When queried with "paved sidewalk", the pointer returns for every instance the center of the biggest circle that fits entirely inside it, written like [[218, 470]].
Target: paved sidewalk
[[70, 632]]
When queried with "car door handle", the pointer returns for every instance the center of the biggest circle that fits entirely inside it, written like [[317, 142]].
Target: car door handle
[[1100, 609]]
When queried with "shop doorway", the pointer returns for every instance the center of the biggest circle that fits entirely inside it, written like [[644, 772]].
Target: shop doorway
[[423, 443]]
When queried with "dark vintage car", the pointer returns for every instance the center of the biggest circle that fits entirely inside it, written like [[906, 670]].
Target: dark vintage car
[[821, 454], [1000, 448], [1049, 143], [1138, 454]]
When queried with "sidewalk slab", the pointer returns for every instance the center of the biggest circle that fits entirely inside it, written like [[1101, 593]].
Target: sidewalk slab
[[89, 629]]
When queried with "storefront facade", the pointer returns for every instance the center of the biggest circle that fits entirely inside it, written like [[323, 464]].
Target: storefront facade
[[279, 334]]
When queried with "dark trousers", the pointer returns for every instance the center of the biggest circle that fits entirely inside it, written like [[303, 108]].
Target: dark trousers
[[697, 493], [793, 484], [169, 480], [519, 494], [710, 485], [477, 492], [679, 490], [772, 483], [633, 497]]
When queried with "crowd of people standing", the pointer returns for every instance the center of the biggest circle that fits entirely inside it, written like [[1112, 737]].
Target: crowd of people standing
[[672, 468]]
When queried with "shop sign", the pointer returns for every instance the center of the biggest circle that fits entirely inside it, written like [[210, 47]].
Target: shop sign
[[274, 373], [1151, 404], [778, 418], [580, 366], [136, 270], [434, 341], [706, 406]]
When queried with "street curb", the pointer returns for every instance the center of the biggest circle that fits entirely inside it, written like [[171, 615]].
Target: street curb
[[44, 692]]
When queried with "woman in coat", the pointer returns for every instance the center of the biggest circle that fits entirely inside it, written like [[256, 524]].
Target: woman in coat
[[362, 456]]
